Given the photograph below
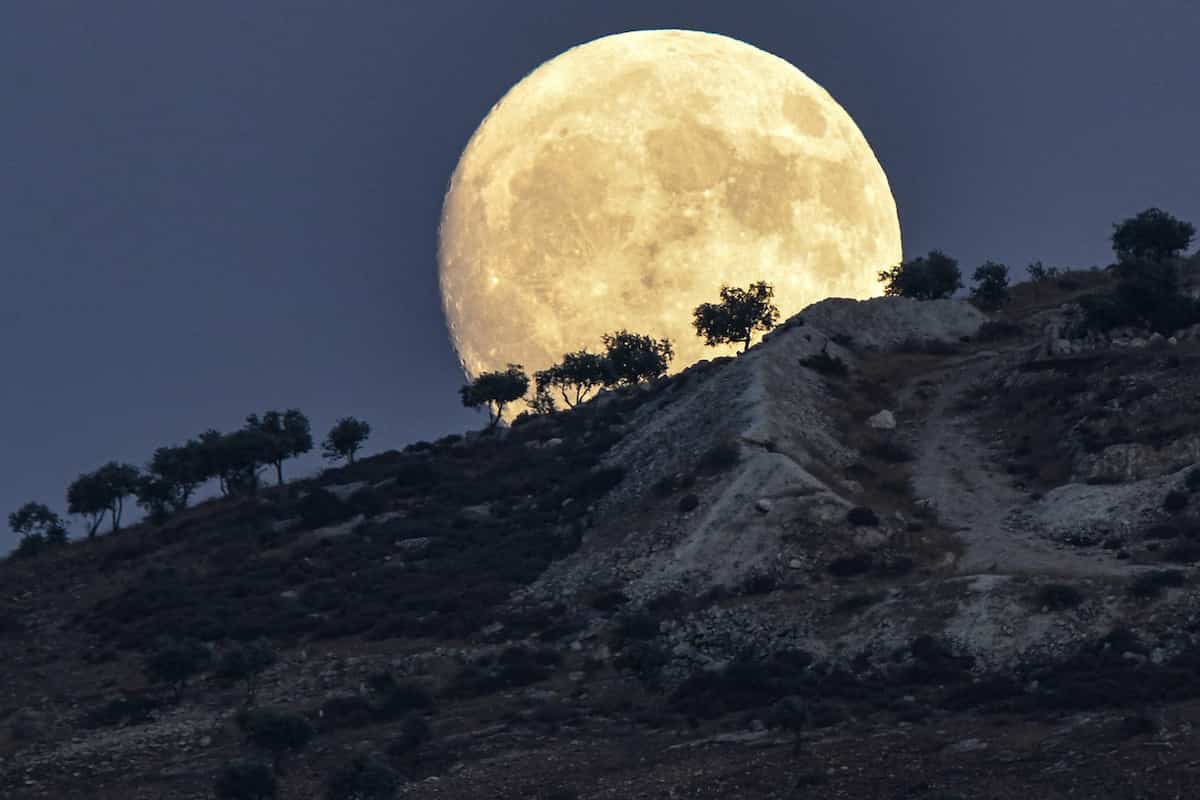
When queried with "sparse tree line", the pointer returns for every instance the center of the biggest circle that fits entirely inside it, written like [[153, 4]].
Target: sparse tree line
[[235, 460], [627, 358]]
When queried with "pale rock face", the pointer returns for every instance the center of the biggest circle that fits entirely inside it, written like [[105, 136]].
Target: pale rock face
[[883, 421]]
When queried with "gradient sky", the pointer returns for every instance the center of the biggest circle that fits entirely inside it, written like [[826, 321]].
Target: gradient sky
[[208, 209]]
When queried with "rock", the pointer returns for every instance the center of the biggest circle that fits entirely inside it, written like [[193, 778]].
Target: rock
[[967, 746], [289, 594], [555, 442], [415, 545], [283, 525], [1172, 341], [341, 529], [1061, 347], [795, 563], [1139, 342], [477, 513], [344, 490], [1156, 340], [883, 421], [762, 505]]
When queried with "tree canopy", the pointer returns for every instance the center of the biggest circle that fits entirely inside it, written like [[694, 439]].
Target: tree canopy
[[575, 378], [345, 439], [929, 277], [738, 316], [495, 390], [1152, 235], [282, 436], [991, 286], [95, 493], [631, 358]]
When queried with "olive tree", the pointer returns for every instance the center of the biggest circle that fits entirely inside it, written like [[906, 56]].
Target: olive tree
[[575, 378], [929, 277], [39, 528], [495, 390], [284, 435], [991, 286], [345, 439], [1152, 235], [738, 316], [630, 358]]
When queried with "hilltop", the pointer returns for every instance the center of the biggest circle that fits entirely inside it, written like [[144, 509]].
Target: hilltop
[[898, 549]]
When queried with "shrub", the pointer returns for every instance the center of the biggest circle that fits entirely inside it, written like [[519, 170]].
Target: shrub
[[363, 778], [825, 364], [175, 663], [688, 502], [1183, 553], [630, 358], [245, 780], [401, 699], [994, 330], [1058, 597], [720, 457], [414, 732], [1151, 584], [345, 439], [367, 501], [848, 566], [860, 515], [638, 625], [1175, 501], [276, 731], [245, 662], [892, 452], [345, 711], [1153, 234], [321, 507]]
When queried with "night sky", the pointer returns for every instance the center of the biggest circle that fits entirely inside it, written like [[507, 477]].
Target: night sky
[[209, 209]]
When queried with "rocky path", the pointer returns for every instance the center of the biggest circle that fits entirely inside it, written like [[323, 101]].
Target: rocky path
[[955, 469]]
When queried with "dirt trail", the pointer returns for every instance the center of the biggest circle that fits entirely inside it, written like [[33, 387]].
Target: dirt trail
[[955, 469]]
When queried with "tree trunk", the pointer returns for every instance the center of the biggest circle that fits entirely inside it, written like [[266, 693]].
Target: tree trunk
[[279, 471]]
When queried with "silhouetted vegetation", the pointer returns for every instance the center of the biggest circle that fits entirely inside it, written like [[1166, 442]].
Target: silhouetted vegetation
[[738, 316], [94, 494], [40, 529], [925, 278], [275, 731], [991, 286], [631, 358], [245, 780], [1152, 235], [825, 364], [245, 662], [1058, 597], [575, 378], [174, 663], [495, 390], [345, 439], [363, 778], [283, 435]]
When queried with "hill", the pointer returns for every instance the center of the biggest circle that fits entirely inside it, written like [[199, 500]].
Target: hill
[[899, 549]]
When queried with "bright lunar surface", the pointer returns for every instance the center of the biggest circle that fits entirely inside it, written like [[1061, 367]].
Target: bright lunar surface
[[620, 184]]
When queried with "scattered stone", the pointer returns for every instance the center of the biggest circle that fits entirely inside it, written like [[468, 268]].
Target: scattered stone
[[883, 421], [762, 505], [415, 545]]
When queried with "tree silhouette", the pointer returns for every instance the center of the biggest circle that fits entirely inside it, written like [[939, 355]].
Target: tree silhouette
[[495, 390], [1152, 235], [345, 439], [39, 528], [991, 286], [283, 436], [630, 358], [929, 277], [740, 313], [575, 378]]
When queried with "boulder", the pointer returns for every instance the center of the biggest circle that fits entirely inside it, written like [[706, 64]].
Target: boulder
[[762, 505], [883, 421]]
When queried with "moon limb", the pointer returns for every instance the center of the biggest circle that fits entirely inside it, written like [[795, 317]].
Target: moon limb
[[576, 191]]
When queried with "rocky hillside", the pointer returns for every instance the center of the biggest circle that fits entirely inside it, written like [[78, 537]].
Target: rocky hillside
[[897, 550]]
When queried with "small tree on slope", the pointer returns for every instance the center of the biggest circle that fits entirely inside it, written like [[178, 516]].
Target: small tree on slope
[[738, 316]]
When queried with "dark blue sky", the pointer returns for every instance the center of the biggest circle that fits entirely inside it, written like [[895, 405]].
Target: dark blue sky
[[208, 209]]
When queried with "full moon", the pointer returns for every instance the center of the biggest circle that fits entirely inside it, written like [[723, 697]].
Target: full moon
[[622, 183]]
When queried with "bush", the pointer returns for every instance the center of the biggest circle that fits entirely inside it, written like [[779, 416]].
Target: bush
[[414, 732], [363, 778], [401, 699], [860, 515], [1151, 584], [688, 502], [891, 451], [368, 502], [1058, 597], [848, 566], [345, 711], [245, 780], [276, 731], [174, 663], [321, 507], [994, 330], [825, 364], [991, 290], [1175, 501], [720, 457]]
